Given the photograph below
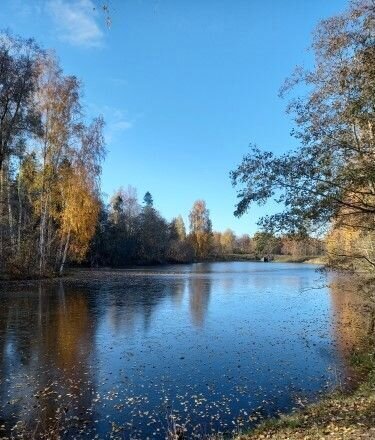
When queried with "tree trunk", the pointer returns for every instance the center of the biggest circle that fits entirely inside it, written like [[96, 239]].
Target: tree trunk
[[19, 213], [64, 254], [42, 231], [1, 214], [1, 157], [59, 254], [10, 217]]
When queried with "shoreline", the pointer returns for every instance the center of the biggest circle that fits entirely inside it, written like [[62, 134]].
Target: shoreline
[[346, 415], [231, 258]]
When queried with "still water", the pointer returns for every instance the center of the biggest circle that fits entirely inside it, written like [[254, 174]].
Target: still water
[[133, 353]]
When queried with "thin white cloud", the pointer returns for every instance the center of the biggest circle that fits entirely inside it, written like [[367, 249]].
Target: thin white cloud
[[121, 125], [117, 120], [76, 22], [117, 124]]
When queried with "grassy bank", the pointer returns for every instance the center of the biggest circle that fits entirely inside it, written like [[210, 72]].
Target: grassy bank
[[337, 417], [301, 259], [276, 258], [230, 257]]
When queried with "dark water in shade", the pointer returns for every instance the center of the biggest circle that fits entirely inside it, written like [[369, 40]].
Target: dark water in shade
[[210, 346]]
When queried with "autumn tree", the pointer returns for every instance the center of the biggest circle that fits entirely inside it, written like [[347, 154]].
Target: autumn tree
[[180, 249], [177, 228], [216, 244], [297, 246], [200, 229], [80, 193], [49, 162], [228, 241], [56, 100], [244, 244]]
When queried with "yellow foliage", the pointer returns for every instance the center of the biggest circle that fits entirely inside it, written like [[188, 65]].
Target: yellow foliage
[[80, 210], [348, 247]]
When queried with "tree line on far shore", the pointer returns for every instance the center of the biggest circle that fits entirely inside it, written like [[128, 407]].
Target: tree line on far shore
[[130, 232]]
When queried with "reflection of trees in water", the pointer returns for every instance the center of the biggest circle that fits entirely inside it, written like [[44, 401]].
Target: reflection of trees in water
[[199, 298], [131, 301], [136, 301], [352, 315], [202, 267], [267, 279], [228, 282], [47, 342], [178, 290]]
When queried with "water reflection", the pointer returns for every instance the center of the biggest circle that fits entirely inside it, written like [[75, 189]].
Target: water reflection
[[352, 314], [199, 298], [209, 343], [47, 344]]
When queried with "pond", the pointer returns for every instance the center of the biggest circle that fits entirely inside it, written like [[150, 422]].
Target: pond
[[210, 347]]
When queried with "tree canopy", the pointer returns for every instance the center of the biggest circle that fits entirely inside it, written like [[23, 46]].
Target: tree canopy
[[331, 176]]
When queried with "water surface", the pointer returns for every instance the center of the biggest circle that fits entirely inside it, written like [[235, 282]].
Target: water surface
[[129, 354]]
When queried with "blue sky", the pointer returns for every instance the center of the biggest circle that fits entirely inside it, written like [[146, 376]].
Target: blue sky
[[184, 86]]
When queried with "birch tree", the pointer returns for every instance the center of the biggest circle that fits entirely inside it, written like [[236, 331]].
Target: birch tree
[[200, 228]]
